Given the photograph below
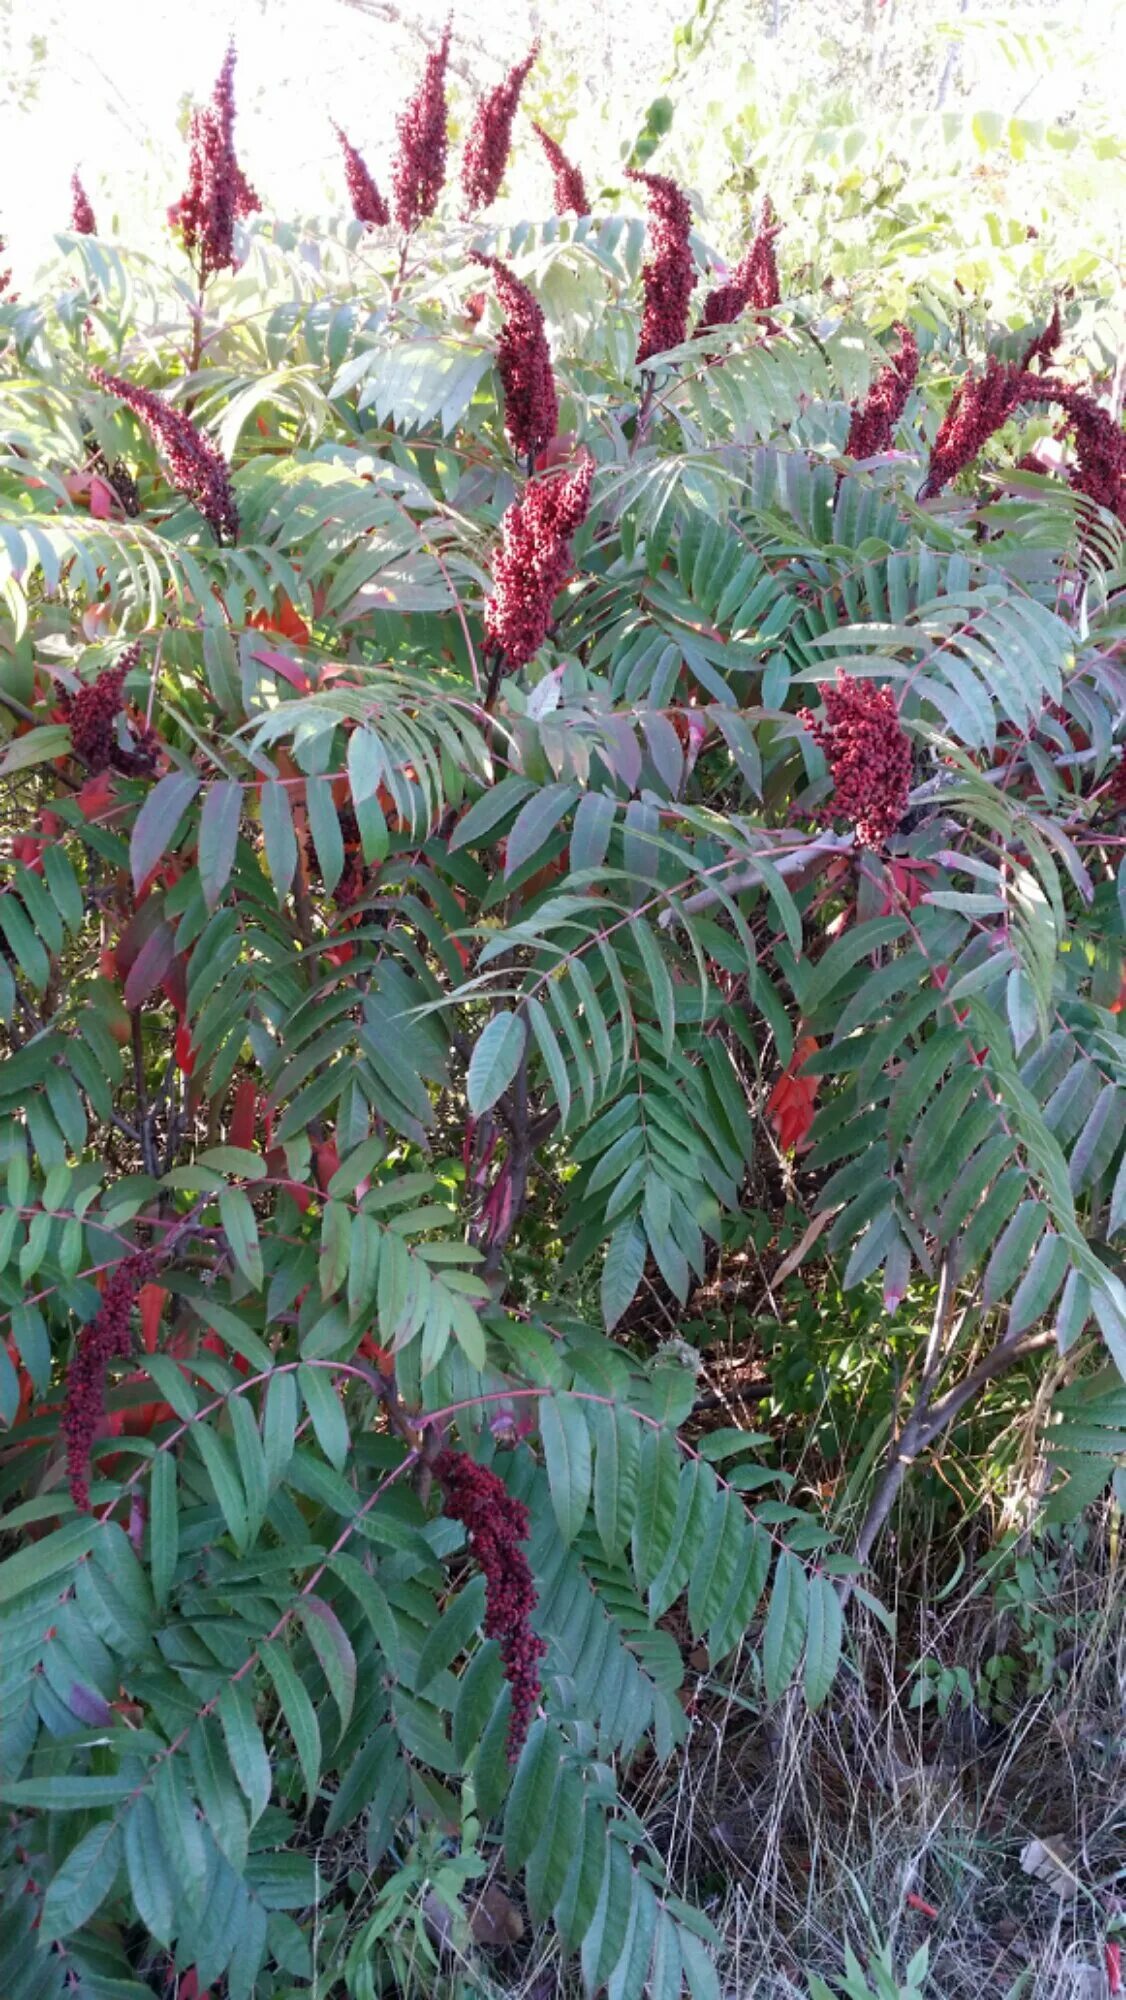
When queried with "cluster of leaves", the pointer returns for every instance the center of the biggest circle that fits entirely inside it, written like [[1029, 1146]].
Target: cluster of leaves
[[391, 1001]]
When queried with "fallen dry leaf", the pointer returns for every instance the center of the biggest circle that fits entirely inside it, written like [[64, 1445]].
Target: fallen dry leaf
[[495, 1919], [1049, 1861], [790, 1264]]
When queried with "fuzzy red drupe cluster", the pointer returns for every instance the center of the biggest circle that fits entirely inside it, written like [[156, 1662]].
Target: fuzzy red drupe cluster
[[368, 205], [531, 412], [869, 756], [103, 1337], [533, 561], [218, 193], [490, 137], [92, 714], [982, 404], [497, 1527], [872, 429], [420, 168], [568, 189], [82, 219], [754, 281], [197, 467], [669, 274]]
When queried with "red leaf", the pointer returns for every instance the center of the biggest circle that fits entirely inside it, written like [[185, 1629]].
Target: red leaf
[[279, 1173], [174, 985], [281, 664], [244, 1115], [790, 1104], [215, 1344], [1113, 1966], [102, 499], [151, 1301], [150, 965], [96, 796], [914, 1902]]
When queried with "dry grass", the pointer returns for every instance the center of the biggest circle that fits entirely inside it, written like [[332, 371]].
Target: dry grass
[[803, 1834]]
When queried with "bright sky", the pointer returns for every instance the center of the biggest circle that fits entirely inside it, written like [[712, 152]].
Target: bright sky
[[118, 70], [117, 73]]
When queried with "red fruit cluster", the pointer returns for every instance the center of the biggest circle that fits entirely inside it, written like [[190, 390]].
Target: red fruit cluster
[[368, 204], [533, 562], [978, 408], [197, 467], [1100, 443], [568, 190], [105, 1336], [6, 296], [981, 406], [497, 1525], [722, 305], [81, 212], [872, 429], [490, 137], [759, 269], [531, 412], [218, 193], [868, 753], [669, 276], [93, 711], [420, 168], [754, 281]]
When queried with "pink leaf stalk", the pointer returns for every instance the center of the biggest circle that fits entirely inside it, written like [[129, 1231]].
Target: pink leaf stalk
[[420, 168], [872, 429], [533, 561], [218, 193], [196, 466], [868, 753], [497, 1527], [490, 137], [568, 190], [105, 1336], [368, 205], [669, 275], [82, 219], [531, 411]]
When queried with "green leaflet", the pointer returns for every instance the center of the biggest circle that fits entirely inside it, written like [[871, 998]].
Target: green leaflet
[[495, 1061], [785, 1629], [80, 1885], [824, 1633], [567, 1453], [532, 1791], [298, 1710]]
